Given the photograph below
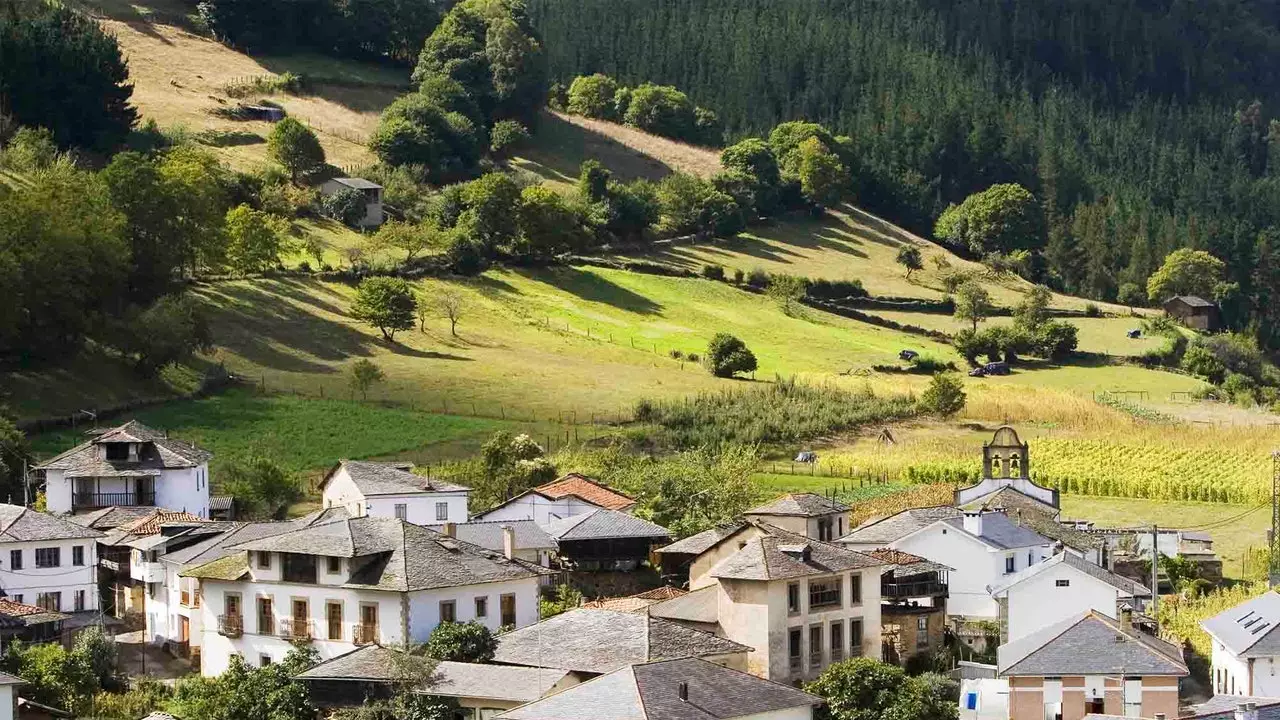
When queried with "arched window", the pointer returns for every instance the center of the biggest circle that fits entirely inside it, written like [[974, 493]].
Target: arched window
[[997, 465], [1015, 465]]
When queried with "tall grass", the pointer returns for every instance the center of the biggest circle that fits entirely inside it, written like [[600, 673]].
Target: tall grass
[[784, 411]]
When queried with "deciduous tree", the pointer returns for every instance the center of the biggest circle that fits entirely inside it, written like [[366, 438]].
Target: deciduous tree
[[1185, 272], [295, 147], [973, 303], [469, 642], [385, 303], [727, 356], [910, 259]]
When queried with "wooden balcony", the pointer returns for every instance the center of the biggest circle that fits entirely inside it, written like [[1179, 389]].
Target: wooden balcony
[[362, 634], [85, 500], [914, 589], [231, 625], [296, 629]]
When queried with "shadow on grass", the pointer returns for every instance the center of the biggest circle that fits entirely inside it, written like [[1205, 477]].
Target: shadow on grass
[[594, 288], [561, 148]]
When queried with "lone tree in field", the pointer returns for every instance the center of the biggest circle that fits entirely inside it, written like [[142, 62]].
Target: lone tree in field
[[787, 291], [973, 303], [909, 257], [727, 356], [385, 303], [363, 375], [450, 305], [944, 396], [295, 147]]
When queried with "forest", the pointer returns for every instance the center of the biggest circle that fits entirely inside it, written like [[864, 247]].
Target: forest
[[1141, 126]]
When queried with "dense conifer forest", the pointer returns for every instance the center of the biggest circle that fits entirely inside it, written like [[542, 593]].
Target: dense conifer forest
[[1141, 126]]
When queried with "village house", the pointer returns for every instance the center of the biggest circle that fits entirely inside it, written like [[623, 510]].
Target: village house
[[1090, 664], [913, 605], [670, 689], [374, 672], [392, 490], [33, 624], [128, 465], [1194, 312], [47, 561], [341, 583], [808, 514], [1245, 655], [570, 495], [982, 547], [588, 643], [1062, 587], [801, 604], [603, 539]]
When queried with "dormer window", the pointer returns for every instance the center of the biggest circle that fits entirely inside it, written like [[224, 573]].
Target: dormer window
[[117, 451]]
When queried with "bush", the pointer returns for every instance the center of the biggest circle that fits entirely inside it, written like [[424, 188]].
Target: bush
[[1056, 339], [593, 96], [945, 395], [727, 356], [1092, 310], [737, 276], [1167, 355], [758, 279], [465, 257], [1200, 360], [676, 355], [835, 289], [469, 642], [713, 272], [693, 357], [973, 344], [925, 365], [347, 206], [507, 135]]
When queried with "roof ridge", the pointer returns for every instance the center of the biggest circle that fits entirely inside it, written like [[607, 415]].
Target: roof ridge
[[5, 530]]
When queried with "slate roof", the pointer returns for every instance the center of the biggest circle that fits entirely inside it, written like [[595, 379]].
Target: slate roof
[[374, 663], [602, 524], [1222, 707], [799, 505], [590, 490], [1055, 530], [7, 679], [637, 602], [1001, 532], [109, 518], [357, 183], [1250, 628], [895, 527], [700, 606], [375, 478], [488, 534], [601, 641], [1089, 644], [780, 554], [1192, 301], [397, 555], [1124, 585], [1010, 498], [703, 541], [21, 524], [652, 691], [158, 453]]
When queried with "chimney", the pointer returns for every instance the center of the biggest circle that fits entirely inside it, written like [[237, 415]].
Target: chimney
[[1242, 711], [1126, 619], [1251, 710], [683, 690], [450, 529], [508, 542], [973, 523]]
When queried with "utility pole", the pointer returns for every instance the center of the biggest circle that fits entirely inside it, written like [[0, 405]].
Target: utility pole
[[1155, 576]]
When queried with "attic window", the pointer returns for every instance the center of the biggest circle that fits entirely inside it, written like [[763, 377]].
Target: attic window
[[1062, 583], [117, 451], [1260, 628]]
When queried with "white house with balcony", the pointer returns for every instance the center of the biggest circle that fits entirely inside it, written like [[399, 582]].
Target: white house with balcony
[[349, 582], [128, 465], [393, 490], [47, 561], [984, 548]]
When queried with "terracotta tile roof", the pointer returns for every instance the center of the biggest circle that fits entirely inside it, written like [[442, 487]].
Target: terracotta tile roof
[[587, 489], [639, 601], [150, 524]]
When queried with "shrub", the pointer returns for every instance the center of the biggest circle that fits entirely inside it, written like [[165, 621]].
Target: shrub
[[972, 344], [727, 356], [593, 96], [944, 396], [676, 355], [347, 206], [1092, 310], [737, 276], [1200, 360], [713, 272], [693, 357], [758, 279], [952, 281], [507, 135], [925, 365], [1241, 388], [1056, 339], [835, 289], [465, 257], [1167, 355], [469, 642]]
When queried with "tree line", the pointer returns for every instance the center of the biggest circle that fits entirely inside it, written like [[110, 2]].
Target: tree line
[[1138, 128]]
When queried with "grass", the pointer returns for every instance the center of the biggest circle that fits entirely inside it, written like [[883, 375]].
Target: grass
[[180, 77], [1103, 335], [563, 142], [1234, 528], [92, 380], [304, 434]]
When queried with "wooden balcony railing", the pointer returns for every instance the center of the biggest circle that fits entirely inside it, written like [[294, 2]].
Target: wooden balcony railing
[[100, 500], [362, 634], [927, 588], [231, 625], [296, 629]]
